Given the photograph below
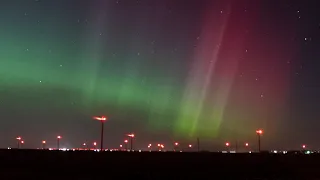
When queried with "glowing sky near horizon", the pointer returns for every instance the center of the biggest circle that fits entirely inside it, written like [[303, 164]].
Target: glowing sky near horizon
[[210, 69]]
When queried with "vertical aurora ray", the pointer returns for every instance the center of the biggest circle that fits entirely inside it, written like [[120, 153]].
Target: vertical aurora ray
[[93, 54], [213, 92], [211, 83], [200, 79]]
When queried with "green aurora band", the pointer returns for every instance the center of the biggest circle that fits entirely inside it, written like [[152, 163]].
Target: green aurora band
[[188, 98]]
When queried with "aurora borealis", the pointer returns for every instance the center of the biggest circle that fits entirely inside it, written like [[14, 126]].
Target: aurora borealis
[[162, 69]]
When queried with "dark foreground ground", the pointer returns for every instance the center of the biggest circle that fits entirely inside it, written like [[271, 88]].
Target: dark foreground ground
[[39, 164]]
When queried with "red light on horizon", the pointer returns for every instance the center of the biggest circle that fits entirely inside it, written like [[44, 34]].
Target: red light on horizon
[[227, 144], [247, 144], [131, 135], [176, 144], [303, 146], [259, 131], [22, 142], [59, 137], [94, 143], [125, 141], [190, 146], [43, 142], [102, 118]]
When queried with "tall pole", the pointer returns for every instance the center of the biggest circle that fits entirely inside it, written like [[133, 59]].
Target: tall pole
[[227, 145], [175, 146], [102, 119], [43, 144], [236, 145], [101, 138], [259, 133], [18, 141], [259, 142], [198, 144], [126, 144], [58, 143], [131, 140]]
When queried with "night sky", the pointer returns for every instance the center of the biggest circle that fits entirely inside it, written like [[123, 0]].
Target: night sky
[[167, 70]]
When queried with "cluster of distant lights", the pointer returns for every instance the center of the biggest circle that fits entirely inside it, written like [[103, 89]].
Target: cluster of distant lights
[[102, 119], [160, 147]]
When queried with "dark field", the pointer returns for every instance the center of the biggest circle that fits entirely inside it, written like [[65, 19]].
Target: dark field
[[39, 164]]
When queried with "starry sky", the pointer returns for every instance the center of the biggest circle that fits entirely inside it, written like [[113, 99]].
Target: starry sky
[[165, 70]]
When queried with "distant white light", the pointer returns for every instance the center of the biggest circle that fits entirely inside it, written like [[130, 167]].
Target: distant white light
[[308, 152]]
